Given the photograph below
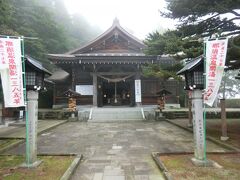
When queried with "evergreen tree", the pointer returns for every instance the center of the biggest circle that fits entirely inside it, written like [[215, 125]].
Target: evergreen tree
[[46, 20]]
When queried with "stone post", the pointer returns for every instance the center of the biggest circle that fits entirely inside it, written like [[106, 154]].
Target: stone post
[[31, 124], [198, 128]]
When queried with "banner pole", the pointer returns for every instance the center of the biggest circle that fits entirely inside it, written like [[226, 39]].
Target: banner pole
[[204, 106], [25, 100]]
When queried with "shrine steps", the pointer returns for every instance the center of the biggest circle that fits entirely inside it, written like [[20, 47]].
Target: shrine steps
[[116, 114]]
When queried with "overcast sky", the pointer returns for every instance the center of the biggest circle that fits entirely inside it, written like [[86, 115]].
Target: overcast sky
[[139, 17]]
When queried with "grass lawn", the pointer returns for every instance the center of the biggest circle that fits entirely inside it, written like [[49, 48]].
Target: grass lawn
[[214, 129], [181, 167], [233, 125], [52, 167]]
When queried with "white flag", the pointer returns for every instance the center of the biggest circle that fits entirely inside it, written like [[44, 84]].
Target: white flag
[[138, 91], [215, 61], [11, 72]]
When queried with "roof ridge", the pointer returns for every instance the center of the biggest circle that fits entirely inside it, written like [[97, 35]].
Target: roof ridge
[[115, 24]]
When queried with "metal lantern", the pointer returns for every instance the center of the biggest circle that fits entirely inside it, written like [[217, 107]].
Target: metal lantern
[[35, 74], [193, 72]]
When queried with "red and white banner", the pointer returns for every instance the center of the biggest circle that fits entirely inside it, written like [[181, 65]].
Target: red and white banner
[[11, 72], [215, 61]]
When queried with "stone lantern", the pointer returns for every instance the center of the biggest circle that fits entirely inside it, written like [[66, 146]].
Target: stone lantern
[[194, 79], [35, 73], [34, 76]]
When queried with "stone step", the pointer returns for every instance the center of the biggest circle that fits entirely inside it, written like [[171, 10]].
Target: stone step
[[126, 116], [114, 120], [116, 114]]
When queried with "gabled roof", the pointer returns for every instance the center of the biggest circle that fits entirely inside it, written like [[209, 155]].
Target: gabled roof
[[112, 30], [36, 64], [191, 64]]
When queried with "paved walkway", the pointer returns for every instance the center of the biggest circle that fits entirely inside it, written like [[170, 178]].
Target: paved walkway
[[116, 151]]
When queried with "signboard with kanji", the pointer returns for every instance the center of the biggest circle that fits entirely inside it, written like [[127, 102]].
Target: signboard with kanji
[[11, 72], [215, 61], [138, 91]]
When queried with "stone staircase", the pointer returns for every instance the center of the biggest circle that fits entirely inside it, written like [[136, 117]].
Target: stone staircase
[[116, 114]]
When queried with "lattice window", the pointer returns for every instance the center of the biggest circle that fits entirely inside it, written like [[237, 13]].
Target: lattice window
[[30, 78], [198, 78]]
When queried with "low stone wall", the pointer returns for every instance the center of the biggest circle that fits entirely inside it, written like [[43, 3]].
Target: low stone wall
[[49, 114], [209, 114], [229, 114]]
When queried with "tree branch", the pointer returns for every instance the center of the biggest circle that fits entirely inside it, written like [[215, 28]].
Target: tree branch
[[223, 23], [209, 18], [235, 13], [232, 33]]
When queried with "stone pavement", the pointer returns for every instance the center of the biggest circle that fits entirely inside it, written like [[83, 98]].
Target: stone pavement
[[19, 131], [116, 151]]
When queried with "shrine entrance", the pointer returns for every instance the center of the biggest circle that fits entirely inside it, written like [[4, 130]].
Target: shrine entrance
[[115, 89], [116, 93]]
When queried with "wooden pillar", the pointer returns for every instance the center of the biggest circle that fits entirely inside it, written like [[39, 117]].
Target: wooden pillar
[[190, 117], [94, 89], [224, 136], [54, 94], [73, 78], [2, 121], [177, 92]]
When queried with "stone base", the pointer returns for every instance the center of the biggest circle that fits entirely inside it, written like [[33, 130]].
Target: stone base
[[159, 115], [73, 119], [224, 138], [207, 163], [33, 165]]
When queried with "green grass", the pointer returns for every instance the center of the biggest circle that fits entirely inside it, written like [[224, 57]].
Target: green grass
[[52, 167], [181, 167]]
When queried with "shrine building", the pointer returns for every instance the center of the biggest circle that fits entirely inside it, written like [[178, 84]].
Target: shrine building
[[107, 72]]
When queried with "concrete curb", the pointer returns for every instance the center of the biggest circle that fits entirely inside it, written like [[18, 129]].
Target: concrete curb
[[222, 144], [69, 172], [161, 166], [11, 146], [52, 127], [22, 140]]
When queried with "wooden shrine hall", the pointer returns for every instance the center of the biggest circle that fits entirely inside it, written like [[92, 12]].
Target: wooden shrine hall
[[107, 71]]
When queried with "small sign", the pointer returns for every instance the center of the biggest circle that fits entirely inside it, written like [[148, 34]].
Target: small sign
[[138, 91], [85, 89]]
